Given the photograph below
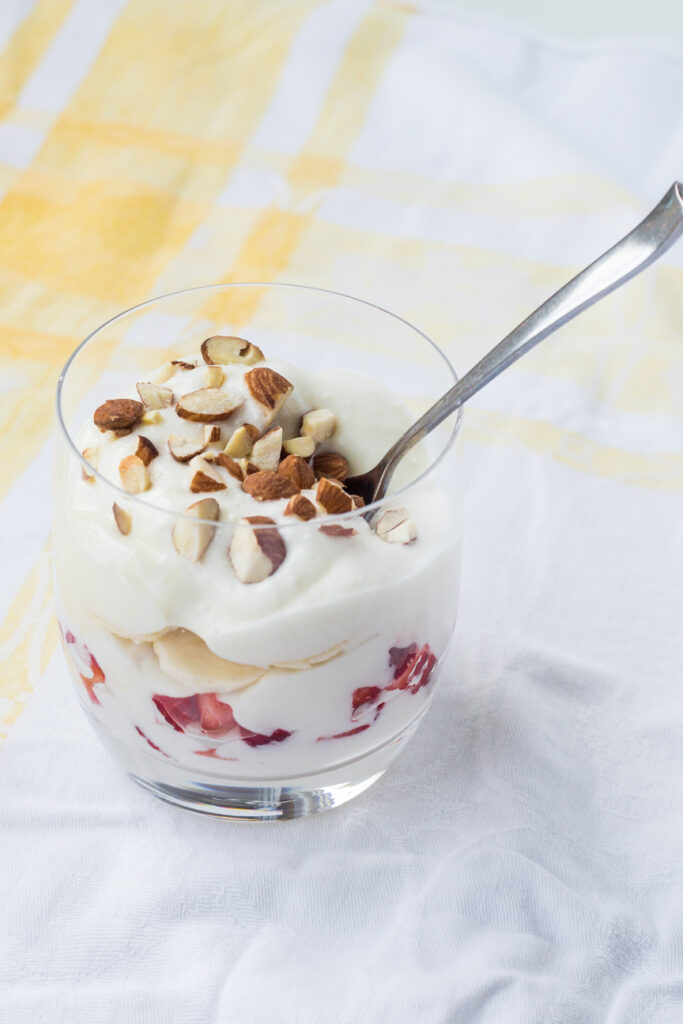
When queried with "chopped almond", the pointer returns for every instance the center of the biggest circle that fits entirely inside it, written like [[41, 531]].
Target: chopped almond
[[395, 527], [152, 416], [337, 530], [257, 550], [212, 433], [333, 497], [91, 455], [242, 441], [163, 374], [319, 424], [153, 396], [134, 474], [298, 471], [301, 446], [266, 485], [221, 459], [183, 364], [146, 450], [331, 464], [208, 405], [301, 507], [214, 377], [205, 477], [266, 451], [118, 414], [122, 519], [269, 389], [190, 538], [224, 349], [183, 450]]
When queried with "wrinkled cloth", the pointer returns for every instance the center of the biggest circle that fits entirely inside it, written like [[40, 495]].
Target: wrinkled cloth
[[521, 861]]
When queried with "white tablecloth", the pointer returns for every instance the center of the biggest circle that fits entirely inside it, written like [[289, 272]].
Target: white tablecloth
[[521, 863]]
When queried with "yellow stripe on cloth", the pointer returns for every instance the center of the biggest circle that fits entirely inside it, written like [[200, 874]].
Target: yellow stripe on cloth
[[26, 48]]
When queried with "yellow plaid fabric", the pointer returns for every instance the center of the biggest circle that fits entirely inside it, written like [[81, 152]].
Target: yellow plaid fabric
[[148, 145]]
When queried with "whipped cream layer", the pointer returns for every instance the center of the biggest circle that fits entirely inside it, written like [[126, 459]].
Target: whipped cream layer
[[329, 590]]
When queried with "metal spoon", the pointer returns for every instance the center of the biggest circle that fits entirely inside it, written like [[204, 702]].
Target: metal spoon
[[642, 246]]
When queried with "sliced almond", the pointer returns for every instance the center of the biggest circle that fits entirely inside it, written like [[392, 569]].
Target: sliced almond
[[146, 450], [122, 519], [163, 374], [269, 389], [225, 349], [333, 497], [388, 519], [256, 550], [134, 474], [233, 468], [395, 527], [268, 486], [183, 364], [192, 538], [186, 658], [118, 414], [214, 377], [92, 455], [208, 405], [336, 530], [331, 464], [301, 507], [301, 446], [205, 477], [298, 471], [242, 441], [212, 433], [153, 396], [266, 451], [152, 416], [319, 424], [183, 450]]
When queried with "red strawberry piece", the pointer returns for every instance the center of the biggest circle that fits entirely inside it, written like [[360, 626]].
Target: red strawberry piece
[[152, 745], [214, 716], [403, 660], [212, 752], [258, 739], [69, 637], [349, 732], [178, 711], [422, 670], [363, 698]]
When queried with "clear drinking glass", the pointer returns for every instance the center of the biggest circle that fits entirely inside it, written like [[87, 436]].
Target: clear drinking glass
[[292, 694]]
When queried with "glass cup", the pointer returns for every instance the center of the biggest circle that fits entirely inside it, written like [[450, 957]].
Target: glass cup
[[293, 694]]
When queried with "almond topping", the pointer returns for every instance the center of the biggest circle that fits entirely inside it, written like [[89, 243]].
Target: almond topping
[[205, 477], [333, 497], [212, 434], [214, 377], [221, 459], [122, 519], [134, 475], [163, 374], [242, 441], [336, 530], [183, 450], [320, 424], [182, 364], [266, 451], [118, 414], [331, 464], [395, 527], [146, 450], [151, 416], [225, 349], [153, 396], [298, 471], [269, 389], [247, 467], [358, 502], [91, 455], [256, 550], [301, 446], [301, 507], [268, 486], [207, 405], [191, 539]]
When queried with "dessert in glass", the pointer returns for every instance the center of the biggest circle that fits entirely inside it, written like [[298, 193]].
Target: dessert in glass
[[245, 635]]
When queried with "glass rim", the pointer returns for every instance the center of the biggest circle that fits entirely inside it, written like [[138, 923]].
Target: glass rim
[[140, 500]]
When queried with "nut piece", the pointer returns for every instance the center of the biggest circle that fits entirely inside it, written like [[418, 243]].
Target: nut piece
[[248, 467], [146, 450], [268, 486], [182, 364], [122, 519], [333, 497], [190, 538], [301, 507], [185, 657], [205, 477], [134, 475], [301, 446], [255, 554], [266, 451], [331, 464], [163, 374], [395, 527], [151, 416], [91, 455], [269, 389], [336, 530], [221, 459], [226, 349], [118, 414], [298, 471], [358, 502], [208, 405], [183, 450], [241, 442], [153, 396], [212, 434], [320, 424], [214, 377]]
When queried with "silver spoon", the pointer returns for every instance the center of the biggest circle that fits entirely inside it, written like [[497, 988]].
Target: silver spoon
[[642, 246]]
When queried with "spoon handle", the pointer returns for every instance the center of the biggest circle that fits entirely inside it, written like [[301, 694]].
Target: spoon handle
[[642, 246]]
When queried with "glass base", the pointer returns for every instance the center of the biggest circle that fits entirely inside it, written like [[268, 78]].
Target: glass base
[[259, 798]]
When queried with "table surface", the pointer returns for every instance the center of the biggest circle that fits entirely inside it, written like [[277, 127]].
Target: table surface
[[659, 19]]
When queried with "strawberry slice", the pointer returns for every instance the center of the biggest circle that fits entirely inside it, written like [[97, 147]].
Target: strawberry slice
[[146, 737], [214, 716], [349, 732], [363, 698], [422, 670], [402, 659], [178, 711], [259, 739]]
